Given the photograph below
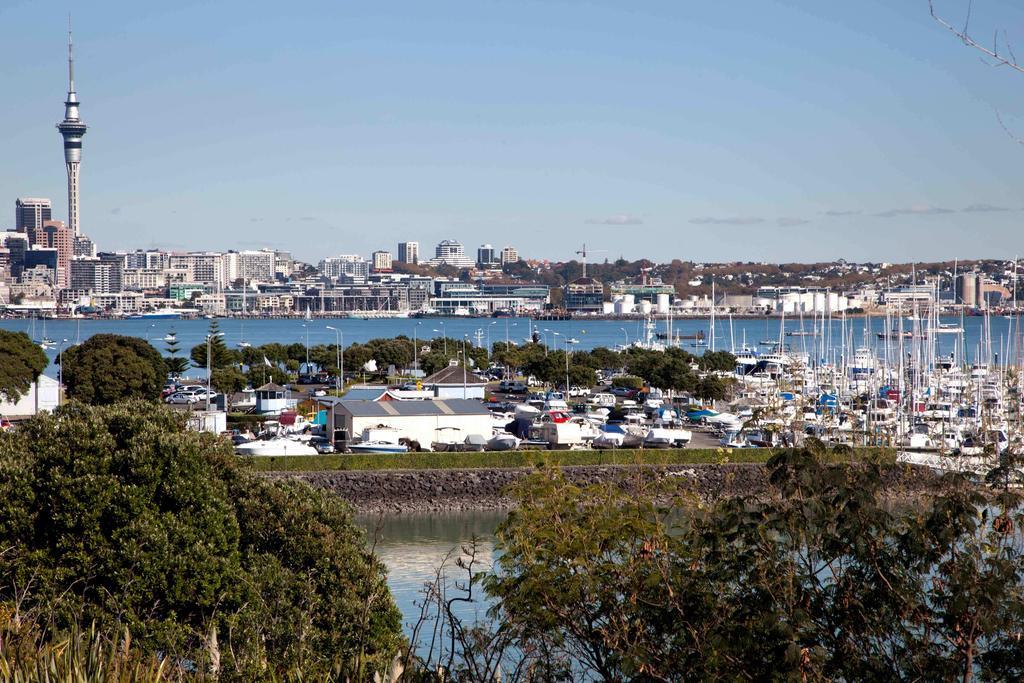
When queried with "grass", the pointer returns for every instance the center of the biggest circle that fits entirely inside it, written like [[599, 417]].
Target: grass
[[429, 461]]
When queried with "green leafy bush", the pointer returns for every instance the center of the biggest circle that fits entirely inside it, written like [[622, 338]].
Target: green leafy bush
[[118, 516]]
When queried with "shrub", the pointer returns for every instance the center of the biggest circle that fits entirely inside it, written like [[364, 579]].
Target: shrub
[[120, 517]]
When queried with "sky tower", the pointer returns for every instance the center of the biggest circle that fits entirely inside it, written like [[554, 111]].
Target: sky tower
[[72, 129]]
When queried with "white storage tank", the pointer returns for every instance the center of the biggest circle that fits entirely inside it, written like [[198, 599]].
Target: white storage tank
[[663, 304]]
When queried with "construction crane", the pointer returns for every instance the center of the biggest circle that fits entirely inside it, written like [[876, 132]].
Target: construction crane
[[583, 252]]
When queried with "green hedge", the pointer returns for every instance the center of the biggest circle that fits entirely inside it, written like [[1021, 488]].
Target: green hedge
[[427, 461]]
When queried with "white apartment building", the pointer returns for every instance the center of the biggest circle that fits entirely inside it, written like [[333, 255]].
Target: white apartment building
[[509, 255], [257, 266], [143, 278], [382, 261], [206, 267], [350, 265]]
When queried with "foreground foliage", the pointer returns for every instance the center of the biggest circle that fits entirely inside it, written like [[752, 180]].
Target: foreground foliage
[[826, 579], [119, 517], [21, 363], [107, 368]]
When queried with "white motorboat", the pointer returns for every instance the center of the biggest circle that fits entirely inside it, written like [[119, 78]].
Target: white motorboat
[[378, 447], [661, 437], [275, 446], [502, 441]]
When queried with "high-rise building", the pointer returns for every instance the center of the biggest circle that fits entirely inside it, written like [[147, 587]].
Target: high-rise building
[[198, 266], [56, 235], [509, 255], [409, 252], [346, 265], [151, 259], [83, 246], [96, 274], [30, 212], [451, 253], [72, 129], [485, 256], [382, 261], [16, 244], [257, 265]]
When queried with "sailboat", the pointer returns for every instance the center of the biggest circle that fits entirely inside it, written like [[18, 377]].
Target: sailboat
[[46, 342]]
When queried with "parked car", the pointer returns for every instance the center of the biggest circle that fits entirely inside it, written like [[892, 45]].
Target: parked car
[[189, 396], [622, 392], [575, 391], [322, 445], [512, 387]]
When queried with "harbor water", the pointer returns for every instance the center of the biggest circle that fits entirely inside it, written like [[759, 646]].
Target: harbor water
[[414, 546], [824, 341]]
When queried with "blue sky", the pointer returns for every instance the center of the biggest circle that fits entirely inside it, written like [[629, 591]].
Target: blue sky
[[762, 130]]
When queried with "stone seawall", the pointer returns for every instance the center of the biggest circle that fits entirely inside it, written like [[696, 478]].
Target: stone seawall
[[482, 489]]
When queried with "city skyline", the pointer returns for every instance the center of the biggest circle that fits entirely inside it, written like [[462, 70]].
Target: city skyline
[[917, 206]]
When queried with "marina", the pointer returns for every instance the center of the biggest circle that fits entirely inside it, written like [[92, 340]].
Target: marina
[[946, 393]]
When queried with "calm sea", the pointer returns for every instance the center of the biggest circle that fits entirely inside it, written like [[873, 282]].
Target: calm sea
[[587, 334]]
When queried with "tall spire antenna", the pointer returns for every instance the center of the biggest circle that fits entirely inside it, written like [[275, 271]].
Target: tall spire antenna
[[71, 60]]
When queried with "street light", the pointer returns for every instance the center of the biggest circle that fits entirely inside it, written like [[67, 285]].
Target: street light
[[415, 347], [625, 333], [307, 347], [60, 371], [209, 338], [339, 357], [489, 336], [444, 336]]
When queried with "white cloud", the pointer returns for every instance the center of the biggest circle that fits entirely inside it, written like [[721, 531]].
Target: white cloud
[[617, 219], [731, 220], [983, 208], [919, 210]]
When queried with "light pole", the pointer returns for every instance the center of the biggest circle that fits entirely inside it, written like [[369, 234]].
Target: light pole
[[60, 371], [307, 346], [209, 338], [415, 347], [625, 333], [489, 336], [444, 337], [337, 357]]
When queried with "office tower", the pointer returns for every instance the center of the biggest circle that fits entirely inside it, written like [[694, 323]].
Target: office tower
[[485, 256], [451, 253], [56, 235], [409, 252], [30, 212]]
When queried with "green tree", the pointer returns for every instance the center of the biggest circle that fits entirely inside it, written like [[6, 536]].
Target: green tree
[[21, 363], [228, 380], [93, 530], [717, 361], [107, 368], [711, 388], [259, 375], [823, 577], [176, 365], [220, 355]]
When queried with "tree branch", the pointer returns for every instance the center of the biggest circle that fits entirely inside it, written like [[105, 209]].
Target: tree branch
[[966, 39]]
